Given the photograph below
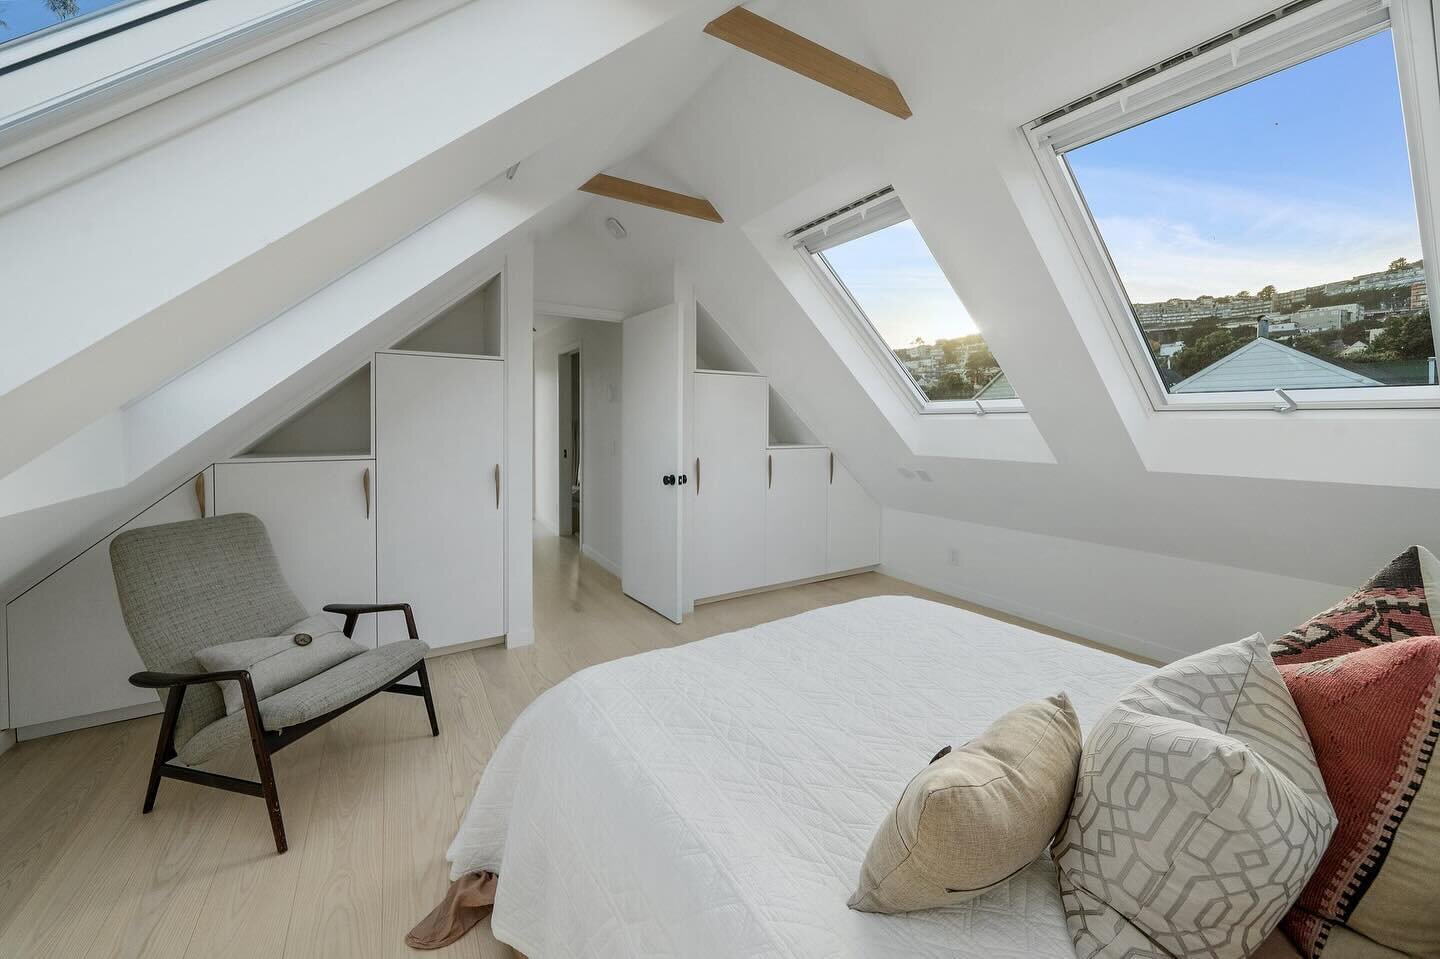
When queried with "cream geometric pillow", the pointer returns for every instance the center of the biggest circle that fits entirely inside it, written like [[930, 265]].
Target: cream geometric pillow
[[1199, 813]]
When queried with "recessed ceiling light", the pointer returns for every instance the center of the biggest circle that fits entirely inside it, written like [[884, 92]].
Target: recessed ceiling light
[[923, 476], [616, 228], [905, 473]]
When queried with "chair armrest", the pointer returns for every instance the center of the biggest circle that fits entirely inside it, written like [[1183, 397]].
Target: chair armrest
[[149, 680], [347, 609], [353, 611]]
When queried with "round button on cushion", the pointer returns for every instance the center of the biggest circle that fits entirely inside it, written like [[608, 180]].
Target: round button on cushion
[[303, 639]]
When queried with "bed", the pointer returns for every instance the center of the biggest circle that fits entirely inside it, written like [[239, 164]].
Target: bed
[[717, 799]]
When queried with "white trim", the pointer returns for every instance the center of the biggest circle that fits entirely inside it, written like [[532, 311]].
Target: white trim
[[70, 723], [1309, 33], [574, 312], [600, 559]]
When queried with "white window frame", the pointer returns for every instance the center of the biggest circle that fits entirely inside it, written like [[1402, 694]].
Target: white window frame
[[1254, 51], [861, 220]]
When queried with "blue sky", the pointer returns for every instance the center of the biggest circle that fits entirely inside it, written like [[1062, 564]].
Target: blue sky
[[26, 16], [1298, 178], [895, 279]]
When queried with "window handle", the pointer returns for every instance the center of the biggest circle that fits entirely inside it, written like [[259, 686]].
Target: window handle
[[832, 467], [697, 476], [769, 470], [365, 485], [497, 485], [1289, 404]]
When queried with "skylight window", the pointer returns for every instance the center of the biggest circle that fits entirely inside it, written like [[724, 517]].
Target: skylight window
[[1265, 237], [20, 18], [880, 263]]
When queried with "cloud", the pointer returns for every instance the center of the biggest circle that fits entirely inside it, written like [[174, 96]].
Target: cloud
[[1178, 236]]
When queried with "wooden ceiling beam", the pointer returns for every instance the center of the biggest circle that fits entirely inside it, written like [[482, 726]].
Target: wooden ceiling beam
[[767, 39], [603, 184]]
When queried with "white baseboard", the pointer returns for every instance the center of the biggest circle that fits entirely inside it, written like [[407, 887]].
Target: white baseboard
[[519, 637], [600, 559], [546, 526], [40, 730]]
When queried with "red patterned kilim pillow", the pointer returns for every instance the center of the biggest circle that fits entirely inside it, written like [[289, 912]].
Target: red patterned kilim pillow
[[1393, 605], [1373, 717]]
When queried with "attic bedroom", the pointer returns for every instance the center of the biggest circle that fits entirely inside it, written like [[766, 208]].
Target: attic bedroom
[[662, 478]]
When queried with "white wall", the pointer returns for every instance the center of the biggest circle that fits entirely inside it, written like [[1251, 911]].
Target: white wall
[[1153, 605], [600, 352]]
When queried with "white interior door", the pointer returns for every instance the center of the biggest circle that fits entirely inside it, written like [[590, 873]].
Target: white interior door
[[439, 440], [653, 374], [728, 482], [795, 513], [854, 523], [321, 519]]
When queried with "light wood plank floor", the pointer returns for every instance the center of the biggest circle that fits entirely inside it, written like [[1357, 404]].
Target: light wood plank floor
[[370, 801]]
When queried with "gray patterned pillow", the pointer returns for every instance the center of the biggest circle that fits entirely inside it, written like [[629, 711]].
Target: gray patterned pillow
[[304, 650], [1199, 813]]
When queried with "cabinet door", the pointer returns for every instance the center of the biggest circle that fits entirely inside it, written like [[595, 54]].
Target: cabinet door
[[439, 430], [320, 517], [854, 524], [70, 653], [729, 483], [795, 514]]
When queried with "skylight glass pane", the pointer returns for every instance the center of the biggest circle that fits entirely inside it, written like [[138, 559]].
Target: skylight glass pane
[[1267, 237], [894, 279], [19, 18]]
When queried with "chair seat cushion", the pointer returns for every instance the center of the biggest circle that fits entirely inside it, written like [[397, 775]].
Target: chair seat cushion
[[316, 696], [304, 650]]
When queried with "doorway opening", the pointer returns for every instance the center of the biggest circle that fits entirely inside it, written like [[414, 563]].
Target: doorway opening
[[571, 447]]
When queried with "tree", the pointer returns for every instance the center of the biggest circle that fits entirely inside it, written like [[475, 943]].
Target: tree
[[980, 365], [1267, 290], [1399, 263], [1323, 344], [1405, 338], [951, 386], [1243, 294], [1206, 350]]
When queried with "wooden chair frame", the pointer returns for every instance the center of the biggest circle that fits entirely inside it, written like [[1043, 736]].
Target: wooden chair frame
[[265, 742]]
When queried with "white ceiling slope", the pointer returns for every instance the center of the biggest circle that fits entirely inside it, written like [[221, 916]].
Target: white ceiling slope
[[1089, 461], [174, 253], [410, 243]]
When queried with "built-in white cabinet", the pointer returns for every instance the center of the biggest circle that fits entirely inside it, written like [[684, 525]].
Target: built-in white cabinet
[[796, 511], [852, 525], [729, 482], [320, 515], [69, 651], [439, 434]]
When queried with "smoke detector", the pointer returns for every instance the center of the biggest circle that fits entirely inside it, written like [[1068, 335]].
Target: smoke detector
[[616, 228]]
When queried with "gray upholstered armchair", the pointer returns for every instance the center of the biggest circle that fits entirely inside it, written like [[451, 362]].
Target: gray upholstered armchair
[[186, 586]]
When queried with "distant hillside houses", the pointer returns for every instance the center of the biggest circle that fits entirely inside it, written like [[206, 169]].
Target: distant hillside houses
[[1405, 286]]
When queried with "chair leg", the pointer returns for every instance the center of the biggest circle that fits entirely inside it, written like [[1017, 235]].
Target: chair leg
[[164, 745], [262, 766], [429, 702]]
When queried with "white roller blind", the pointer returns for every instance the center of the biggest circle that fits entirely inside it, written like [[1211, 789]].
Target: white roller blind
[[854, 223]]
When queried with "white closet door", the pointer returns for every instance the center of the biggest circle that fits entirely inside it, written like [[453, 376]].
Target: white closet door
[[70, 653], [320, 517], [439, 435], [653, 371], [795, 513], [729, 482], [854, 524]]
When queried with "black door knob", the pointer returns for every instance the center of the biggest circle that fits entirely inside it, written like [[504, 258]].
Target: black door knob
[[668, 479], [683, 479]]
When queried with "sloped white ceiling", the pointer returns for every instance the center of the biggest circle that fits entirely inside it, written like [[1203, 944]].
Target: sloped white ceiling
[[219, 272], [1324, 498]]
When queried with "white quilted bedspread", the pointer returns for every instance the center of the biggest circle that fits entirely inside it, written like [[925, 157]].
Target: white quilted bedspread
[[716, 799]]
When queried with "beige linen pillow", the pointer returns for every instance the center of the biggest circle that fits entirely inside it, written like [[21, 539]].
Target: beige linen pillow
[[1199, 813], [975, 817], [279, 662]]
